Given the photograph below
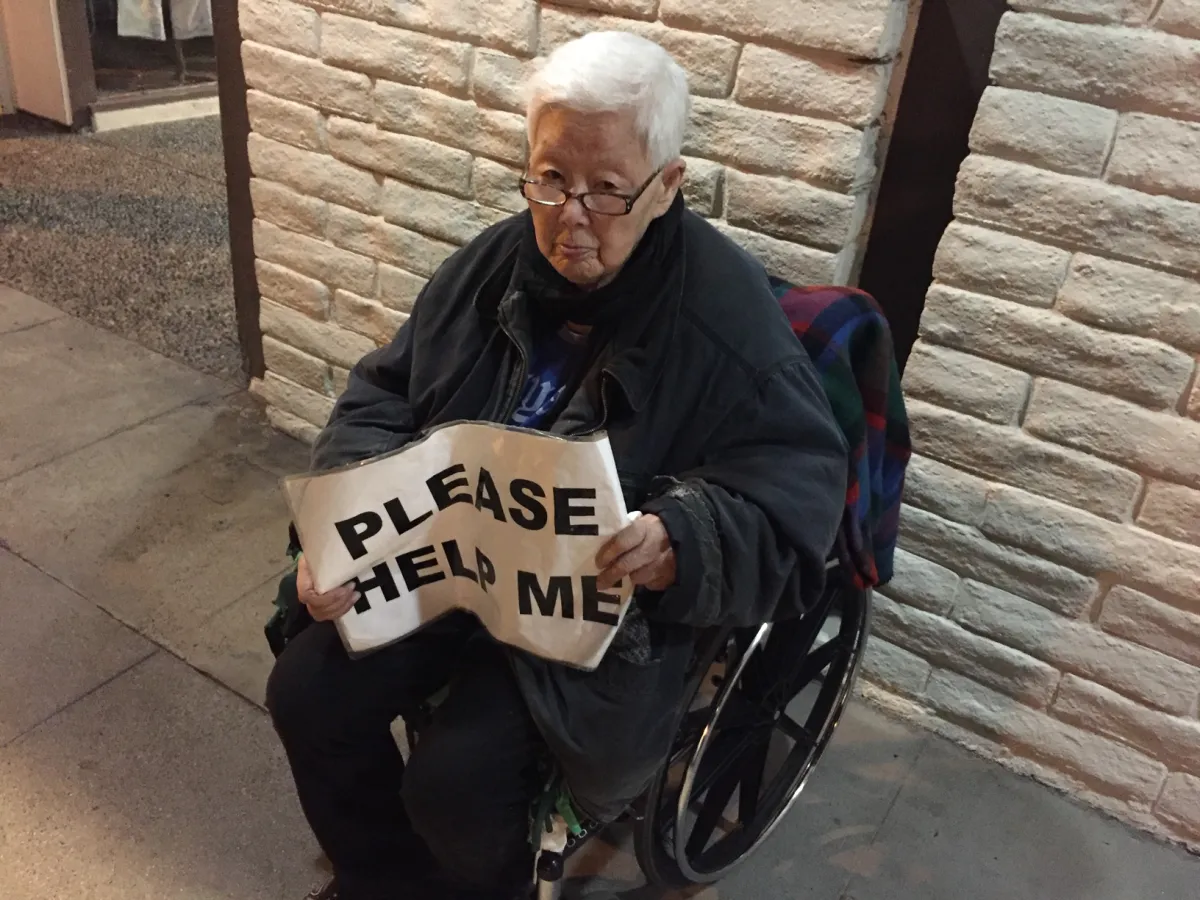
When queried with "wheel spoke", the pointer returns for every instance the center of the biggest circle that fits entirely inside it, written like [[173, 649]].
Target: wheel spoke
[[814, 664], [712, 811], [753, 770], [795, 731]]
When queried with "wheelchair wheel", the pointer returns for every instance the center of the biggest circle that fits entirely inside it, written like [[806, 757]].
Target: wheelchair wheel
[[763, 708]]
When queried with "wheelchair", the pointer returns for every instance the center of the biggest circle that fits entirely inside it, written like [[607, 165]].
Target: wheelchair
[[761, 707]]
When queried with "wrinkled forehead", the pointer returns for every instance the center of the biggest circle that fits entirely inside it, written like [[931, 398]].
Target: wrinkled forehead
[[586, 139]]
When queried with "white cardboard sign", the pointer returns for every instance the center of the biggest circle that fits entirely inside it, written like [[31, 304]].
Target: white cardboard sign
[[502, 522]]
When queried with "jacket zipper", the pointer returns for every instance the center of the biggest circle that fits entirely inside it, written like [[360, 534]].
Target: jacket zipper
[[514, 395]]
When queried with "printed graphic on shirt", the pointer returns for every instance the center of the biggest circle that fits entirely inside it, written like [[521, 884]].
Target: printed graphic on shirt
[[551, 370]]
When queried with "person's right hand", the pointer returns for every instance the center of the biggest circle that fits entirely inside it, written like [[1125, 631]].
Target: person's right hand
[[323, 607]]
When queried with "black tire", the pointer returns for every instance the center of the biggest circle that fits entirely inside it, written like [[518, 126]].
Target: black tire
[[727, 744]]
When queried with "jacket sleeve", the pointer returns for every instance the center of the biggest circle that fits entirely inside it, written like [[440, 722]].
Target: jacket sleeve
[[373, 415], [757, 518]]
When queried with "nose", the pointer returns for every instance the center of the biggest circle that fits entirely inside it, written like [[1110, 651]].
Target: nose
[[573, 212]]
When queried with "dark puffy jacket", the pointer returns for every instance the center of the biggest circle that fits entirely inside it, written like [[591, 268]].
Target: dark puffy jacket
[[718, 425]]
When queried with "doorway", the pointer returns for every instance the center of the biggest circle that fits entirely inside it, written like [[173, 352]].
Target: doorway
[[947, 75], [130, 57]]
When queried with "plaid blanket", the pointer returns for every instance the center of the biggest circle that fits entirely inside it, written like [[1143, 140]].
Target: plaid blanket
[[847, 336]]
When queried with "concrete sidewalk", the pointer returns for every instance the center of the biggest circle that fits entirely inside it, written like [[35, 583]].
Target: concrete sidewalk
[[141, 533]]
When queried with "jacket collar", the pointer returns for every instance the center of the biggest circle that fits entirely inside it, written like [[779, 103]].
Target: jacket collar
[[637, 346]]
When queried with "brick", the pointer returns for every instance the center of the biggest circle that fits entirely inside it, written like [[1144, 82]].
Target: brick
[[293, 426], [1193, 406], [300, 401], [1158, 156], [453, 220], [788, 209], [292, 289], [1080, 211], [367, 317], [1137, 672], [921, 583], [966, 383], [1126, 68], [498, 80], [1045, 342], [458, 123], [820, 86], [854, 28], [1180, 17], [949, 646], [944, 490], [314, 173], [1179, 805], [895, 667], [297, 366], [496, 185], [399, 289], [314, 258], [1011, 456], [503, 24], [822, 153], [1101, 764], [423, 162], [279, 23], [341, 379], [709, 59], [308, 81], [1129, 435], [1000, 265], [283, 120], [703, 187], [644, 9], [1090, 544], [1098, 291], [1173, 511], [791, 262], [320, 339], [387, 243], [966, 551], [284, 207], [395, 53], [1169, 739], [1140, 618], [1044, 131], [1127, 12]]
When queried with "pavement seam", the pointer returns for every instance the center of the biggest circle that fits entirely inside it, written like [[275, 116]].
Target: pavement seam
[[154, 651], [152, 158], [24, 328], [195, 401]]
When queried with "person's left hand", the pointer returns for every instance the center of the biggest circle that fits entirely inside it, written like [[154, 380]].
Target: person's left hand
[[641, 552]]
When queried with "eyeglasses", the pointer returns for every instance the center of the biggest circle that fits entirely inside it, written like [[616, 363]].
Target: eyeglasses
[[594, 201]]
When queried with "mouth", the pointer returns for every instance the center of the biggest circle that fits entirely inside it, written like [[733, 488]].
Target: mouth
[[575, 251]]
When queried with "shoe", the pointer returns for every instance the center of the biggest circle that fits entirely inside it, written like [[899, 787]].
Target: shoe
[[327, 891]]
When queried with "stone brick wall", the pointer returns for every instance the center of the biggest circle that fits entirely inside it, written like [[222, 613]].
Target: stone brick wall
[[1047, 603], [385, 133]]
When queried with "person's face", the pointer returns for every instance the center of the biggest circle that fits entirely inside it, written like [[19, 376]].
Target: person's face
[[580, 152]]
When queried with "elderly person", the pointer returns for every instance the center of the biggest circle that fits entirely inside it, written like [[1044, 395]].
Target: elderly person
[[606, 306]]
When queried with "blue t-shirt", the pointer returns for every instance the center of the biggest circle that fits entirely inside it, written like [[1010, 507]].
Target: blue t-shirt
[[557, 360]]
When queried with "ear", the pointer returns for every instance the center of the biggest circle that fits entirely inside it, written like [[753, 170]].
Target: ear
[[672, 181]]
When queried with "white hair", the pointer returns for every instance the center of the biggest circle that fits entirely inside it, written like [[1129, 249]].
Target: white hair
[[614, 71]]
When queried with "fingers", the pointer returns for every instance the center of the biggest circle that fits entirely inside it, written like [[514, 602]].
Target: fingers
[[323, 607], [623, 542], [658, 575]]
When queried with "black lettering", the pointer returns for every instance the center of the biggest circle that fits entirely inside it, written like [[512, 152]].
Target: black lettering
[[530, 591], [355, 531], [564, 511], [487, 572], [487, 497], [399, 516], [592, 598], [455, 561], [441, 490], [529, 514], [412, 565], [383, 581]]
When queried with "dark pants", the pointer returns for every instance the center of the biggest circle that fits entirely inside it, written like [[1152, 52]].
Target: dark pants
[[455, 820]]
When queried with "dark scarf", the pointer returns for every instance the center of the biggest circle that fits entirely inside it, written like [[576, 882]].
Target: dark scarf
[[639, 282]]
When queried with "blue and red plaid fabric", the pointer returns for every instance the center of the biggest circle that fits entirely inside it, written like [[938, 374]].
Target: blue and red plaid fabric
[[848, 338]]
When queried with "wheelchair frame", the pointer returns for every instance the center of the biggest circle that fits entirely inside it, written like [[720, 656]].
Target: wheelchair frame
[[724, 747]]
